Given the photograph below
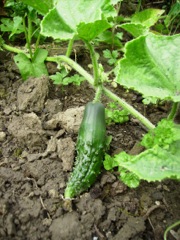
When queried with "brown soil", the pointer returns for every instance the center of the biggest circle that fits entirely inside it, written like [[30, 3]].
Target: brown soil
[[38, 129]]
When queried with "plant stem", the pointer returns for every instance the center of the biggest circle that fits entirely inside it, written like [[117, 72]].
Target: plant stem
[[139, 6], [27, 37], [98, 94], [111, 95], [37, 41], [13, 49], [69, 49], [29, 31], [115, 22], [129, 108], [94, 62], [173, 111]]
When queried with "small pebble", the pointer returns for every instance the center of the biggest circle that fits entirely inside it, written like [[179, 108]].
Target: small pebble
[[2, 136]]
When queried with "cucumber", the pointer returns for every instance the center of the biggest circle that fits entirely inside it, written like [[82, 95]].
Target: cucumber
[[90, 149]]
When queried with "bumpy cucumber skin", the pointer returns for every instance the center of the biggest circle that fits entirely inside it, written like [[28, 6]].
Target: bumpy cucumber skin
[[90, 150]]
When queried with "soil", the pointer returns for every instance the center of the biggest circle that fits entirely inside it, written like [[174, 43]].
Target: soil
[[39, 124]]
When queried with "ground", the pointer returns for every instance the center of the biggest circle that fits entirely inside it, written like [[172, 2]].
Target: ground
[[38, 130], [39, 124]]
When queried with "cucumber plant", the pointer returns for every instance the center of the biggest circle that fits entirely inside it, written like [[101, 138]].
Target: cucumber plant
[[149, 66]]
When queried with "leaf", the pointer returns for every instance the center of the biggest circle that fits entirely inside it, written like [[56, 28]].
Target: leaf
[[14, 26], [58, 77], [163, 135], [76, 79], [129, 178], [151, 66], [109, 162], [135, 29], [107, 53], [34, 68], [112, 56], [63, 20], [148, 17], [161, 160], [62, 79], [116, 116], [108, 8], [109, 38], [142, 21], [88, 31], [173, 13], [42, 7], [54, 26], [154, 164]]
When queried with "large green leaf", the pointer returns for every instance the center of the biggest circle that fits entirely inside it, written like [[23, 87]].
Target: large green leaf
[[161, 159], [14, 26], [34, 68], [142, 21], [135, 29], [42, 6], [148, 17], [151, 67], [93, 29], [154, 164], [63, 20]]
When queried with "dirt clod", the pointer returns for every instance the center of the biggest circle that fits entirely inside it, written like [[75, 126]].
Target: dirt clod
[[65, 151], [67, 227], [27, 129], [32, 93], [131, 229]]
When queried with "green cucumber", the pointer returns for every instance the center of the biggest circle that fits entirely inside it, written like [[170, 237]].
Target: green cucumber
[[90, 149]]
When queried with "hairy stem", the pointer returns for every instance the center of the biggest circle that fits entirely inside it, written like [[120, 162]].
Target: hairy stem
[[98, 94], [115, 22], [37, 41], [69, 49], [173, 111], [27, 37], [94, 62], [139, 6], [30, 29], [13, 49]]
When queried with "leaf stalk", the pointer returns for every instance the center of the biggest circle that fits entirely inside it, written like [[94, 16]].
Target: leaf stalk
[[173, 111], [94, 62], [69, 48]]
